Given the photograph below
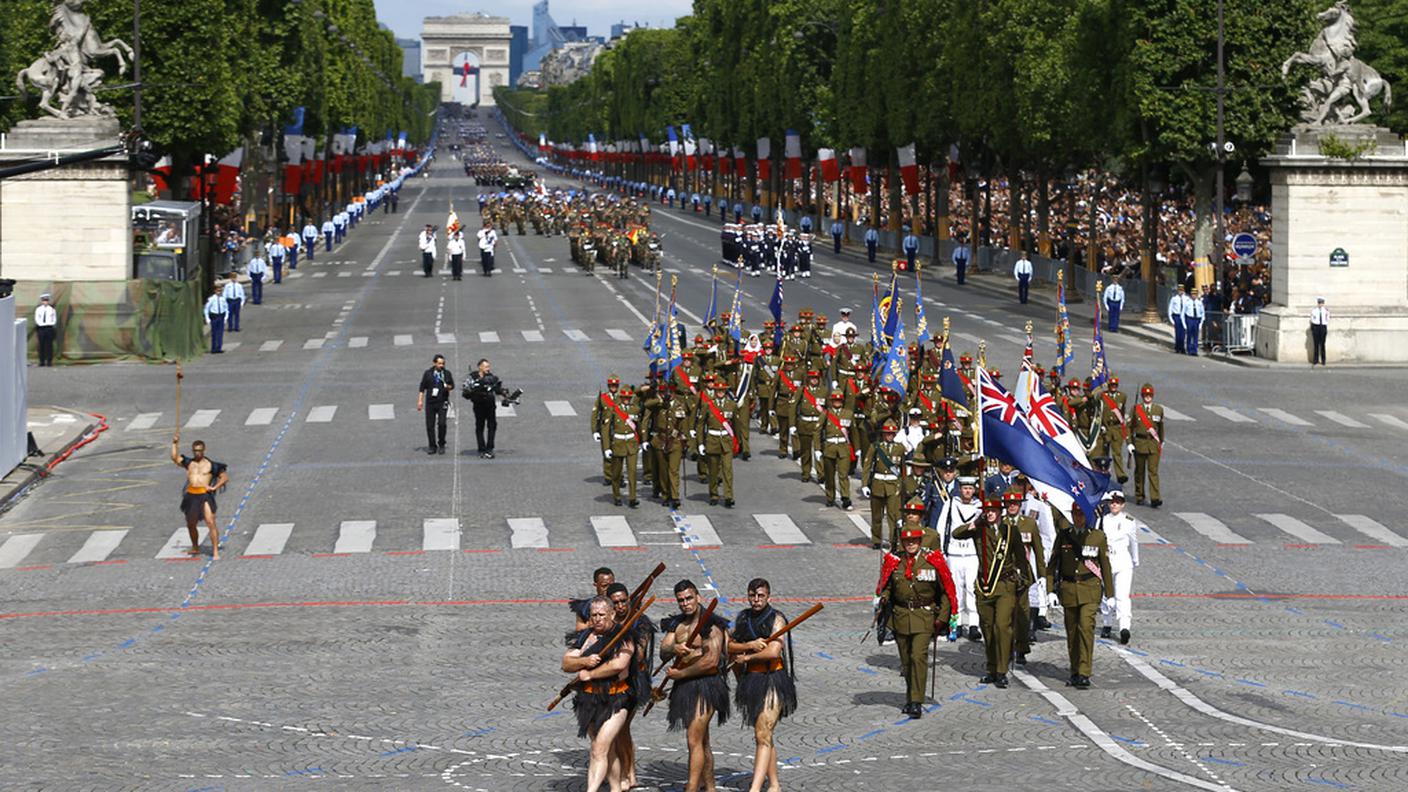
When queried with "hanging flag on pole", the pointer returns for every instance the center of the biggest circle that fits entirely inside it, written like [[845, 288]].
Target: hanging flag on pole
[[877, 319], [1099, 366], [1065, 353], [895, 372], [792, 149], [890, 310], [921, 324], [775, 306], [764, 159], [711, 313], [909, 169], [690, 147], [830, 169], [735, 314], [857, 171]]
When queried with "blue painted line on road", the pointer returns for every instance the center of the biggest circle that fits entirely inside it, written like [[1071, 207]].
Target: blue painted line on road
[[1351, 705], [1173, 663], [870, 671], [869, 734], [395, 751], [552, 714], [127, 643], [979, 702], [1398, 714], [1206, 672], [88, 658], [1296, 611], [1334, 624], [306, 771], [205, 789], [480, 732], [1128, 740], [1047, 721], [1228, 762], [1300, 694], [36, 672], [1327, 782], [1381, 637], [830, 749], [1251, 682], [824, 656], [792, 760]]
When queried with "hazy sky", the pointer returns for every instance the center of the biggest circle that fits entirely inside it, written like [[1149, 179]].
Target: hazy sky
[[404, 16]]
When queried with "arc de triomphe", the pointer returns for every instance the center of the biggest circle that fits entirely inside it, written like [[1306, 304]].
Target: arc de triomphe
[[448, 42]]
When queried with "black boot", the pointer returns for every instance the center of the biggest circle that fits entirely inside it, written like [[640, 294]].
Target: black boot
[[1001, 681], [1124, 637], [1105, 632], [974, 634]]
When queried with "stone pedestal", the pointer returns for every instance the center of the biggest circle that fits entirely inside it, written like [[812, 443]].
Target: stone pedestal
[[1339, 231], [71, 223]]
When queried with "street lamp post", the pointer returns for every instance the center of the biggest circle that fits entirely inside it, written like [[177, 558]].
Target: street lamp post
[[1220, 229]]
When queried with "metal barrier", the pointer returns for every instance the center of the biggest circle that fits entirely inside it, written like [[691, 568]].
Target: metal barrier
[[1229, 333]]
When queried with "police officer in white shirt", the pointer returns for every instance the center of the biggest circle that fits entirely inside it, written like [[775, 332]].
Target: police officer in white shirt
[[276, 252], [1022, 271], [837, 231], [910, 246], [256, 269], [233, 292], [961, 254], [962, 554], [1319, 328], [339, 226], [1192, 323], [845, 324], [46, 320], [1175, 315], [872, 241], [215, 311], [329, 231], [488, 239], [1113, 297], [454, 248], [426, 243], [310, 239], [1122, 538]]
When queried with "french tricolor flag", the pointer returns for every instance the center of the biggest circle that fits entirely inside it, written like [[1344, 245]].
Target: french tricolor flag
[[792, 149], [830, 169], [909, 171], [857, 171]]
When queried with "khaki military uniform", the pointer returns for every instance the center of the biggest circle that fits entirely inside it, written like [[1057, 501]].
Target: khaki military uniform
[[601, 411], [1115, 432], [1035, 559], [915, 588], [1000, 578], [717, 440], [623, 436], [882, 466], [765, 384], [1080, 588], [836, 454], [1148, 443], [785, 408], [809, 418]]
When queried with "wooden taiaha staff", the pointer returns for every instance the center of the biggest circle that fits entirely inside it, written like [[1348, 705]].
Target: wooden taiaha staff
[[625, 629], [659, 692], [787, 628]]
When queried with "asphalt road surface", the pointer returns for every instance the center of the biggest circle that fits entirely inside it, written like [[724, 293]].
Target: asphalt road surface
[[384, 619]]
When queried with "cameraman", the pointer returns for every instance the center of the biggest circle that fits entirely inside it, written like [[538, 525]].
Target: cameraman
[[482, 388]]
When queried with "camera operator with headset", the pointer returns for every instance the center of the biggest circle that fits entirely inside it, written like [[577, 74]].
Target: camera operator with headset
[[483, 388]]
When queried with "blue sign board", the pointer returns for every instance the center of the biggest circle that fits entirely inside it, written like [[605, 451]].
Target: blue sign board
[[1244, 244]]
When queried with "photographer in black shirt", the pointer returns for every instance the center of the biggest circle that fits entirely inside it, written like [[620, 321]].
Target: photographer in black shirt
[[483, 389]]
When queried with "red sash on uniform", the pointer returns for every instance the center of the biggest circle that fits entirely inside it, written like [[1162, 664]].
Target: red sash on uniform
[[1148, 424], [836, 422], [719, 416], [620, 413], [684, 378], [1124, 429], [786, 380], [928, 403]]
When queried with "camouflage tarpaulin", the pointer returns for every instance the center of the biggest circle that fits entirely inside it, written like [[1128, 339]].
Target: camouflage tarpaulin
[[120, 320]]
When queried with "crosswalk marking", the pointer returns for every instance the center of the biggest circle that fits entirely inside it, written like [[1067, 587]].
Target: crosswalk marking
[[1298, 529], [613, 531], [1211, 527], [401, 340], [559, 409], [444, 338], [527, 532], [1373, 530], [440, 533], [1228, 413], [861, 523], [781, 530], [261, 416], [356, 342], [180, 542], [394, 273], [381, 412], [314, 343], [271, 346], [202, 418], [545, 270], [269, 539], [230, 346], [144, 421], [99, 546], [320, 274], [1342, 419], [532, 335], [576, 335], [1282, 415], [344, 274], [1174, 415], [617, 334], [1391, 420], [507, 412], [1148, 536], [322, 414], [488, 337], [16, 548], [368, 274], [355, 536], [698, 530]]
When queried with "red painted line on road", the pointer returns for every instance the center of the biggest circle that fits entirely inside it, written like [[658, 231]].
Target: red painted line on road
[[478, 550], [703, 547], [331, 555], [778, 547], [1372, 547], [626, 549], [849, 546], [184, 559], [256, 556], [556, 549], [1235, 545], [33, 568], [1301, 547], [105, 563], [404, 552], [1244, 596]]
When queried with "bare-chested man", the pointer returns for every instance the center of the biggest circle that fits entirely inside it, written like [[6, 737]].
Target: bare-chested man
[[603, 697], [644, 635], [204, 478], [766, 691], [700, 689]]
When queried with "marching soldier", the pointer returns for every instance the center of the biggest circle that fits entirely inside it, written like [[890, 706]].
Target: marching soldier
[[785, 405], [1033, 563], [1147, 428], [621, 438], [604, 407], [1122, 538], [909, 585], [808, 408], [836, 451], [881, 485], [1000, 578], [1115, 433], [718, 445], [947, 515], [1079, 575], [765, 379]]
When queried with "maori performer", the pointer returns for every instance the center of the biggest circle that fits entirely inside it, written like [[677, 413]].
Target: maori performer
[[700, 690], [602, 579], [643, 636], [602, 666], [766, 690], [204, 478]]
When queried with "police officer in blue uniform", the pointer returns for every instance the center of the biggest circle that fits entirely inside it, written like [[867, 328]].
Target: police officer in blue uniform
[[1192, 321], [872, 241], [215, 309], [1114, 303], [961, 254], [256, 270], [910, 247], [837, 229]]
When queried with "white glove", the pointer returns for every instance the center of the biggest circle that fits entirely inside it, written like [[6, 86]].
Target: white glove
[[596, 436], [607, 453], [874, 603], [645, 446], [693, 434], [701, 449], [791, 430], [835, 384], [1053, 600], [816, 455], [865, 492], [1129, 448]]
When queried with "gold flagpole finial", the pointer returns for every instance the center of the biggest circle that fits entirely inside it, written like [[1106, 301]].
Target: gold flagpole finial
[[1060, 275], [674, 281], [1029, 327], [983, 354], [1098, 286], [946, 323]]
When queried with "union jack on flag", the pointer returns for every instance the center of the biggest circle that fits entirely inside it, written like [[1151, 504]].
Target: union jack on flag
[[998, 403]]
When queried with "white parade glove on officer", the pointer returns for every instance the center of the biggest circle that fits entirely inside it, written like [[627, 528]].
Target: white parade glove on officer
[[865, 492], [701, 448], [596, 436], [607, 453], [791, 430], [1053, 600], [1129, 448], [645, 445]]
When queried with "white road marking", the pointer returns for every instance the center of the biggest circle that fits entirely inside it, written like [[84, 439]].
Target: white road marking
[[559, 409], [613, 531], [440, 533], [180, 542], [617, 334], [314, 343], [402, 340], [344, 274], [99, 546], [13, 551], [781, 530], [488, 337], [1374, 530], [202, 418], [444, 338], [527, 532], [1211, 527], [230, 346], [271, 346], [1174, 415], [269, 539], [381, 412], [1298, 529], [1282, 415], [355, 536], [394, 273], [322, 414], [576, 335], [320, 274], [861, 523], [700, 531], [143, 421], [532, 335], [1228, 413], [1342, 419], [261, 416], [356, 342], [1391, 420]]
